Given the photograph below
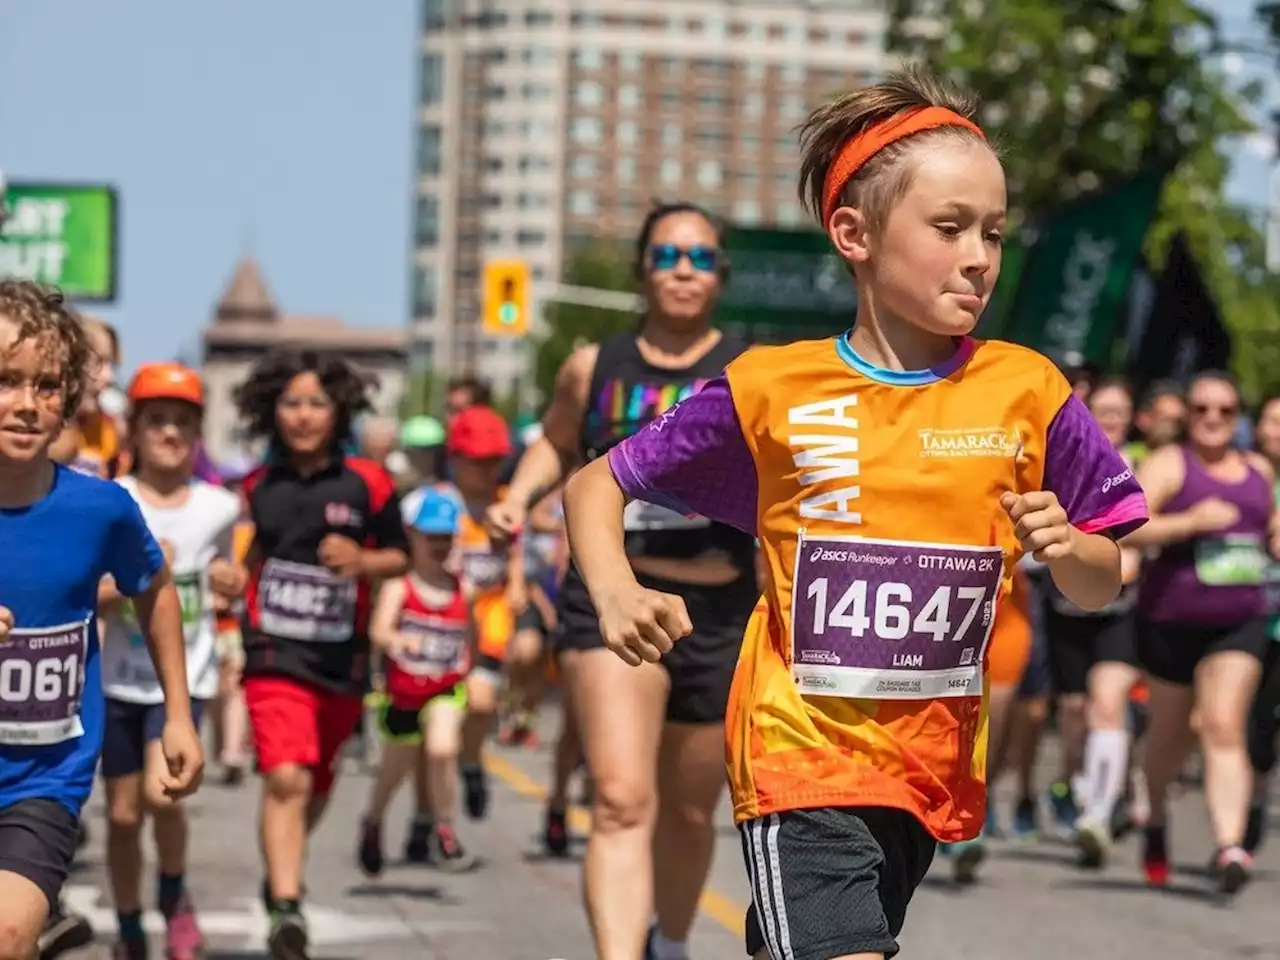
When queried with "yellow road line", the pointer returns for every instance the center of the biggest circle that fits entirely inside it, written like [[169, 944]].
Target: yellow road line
[[719, 908]]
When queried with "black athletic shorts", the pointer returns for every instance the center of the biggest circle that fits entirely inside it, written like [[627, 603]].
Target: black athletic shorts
[[38, 841], [700, 666], [1077, 643], [1171, 652], [832, 881], [1264, 717], [531, 619]]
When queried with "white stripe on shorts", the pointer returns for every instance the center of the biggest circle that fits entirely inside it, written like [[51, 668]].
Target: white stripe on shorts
[[765, 869]]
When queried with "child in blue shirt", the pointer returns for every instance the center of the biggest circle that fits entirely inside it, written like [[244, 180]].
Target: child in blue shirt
[[61, 533]]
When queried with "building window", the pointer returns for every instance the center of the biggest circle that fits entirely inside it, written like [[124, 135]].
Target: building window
[[537, 56], [429, 151], [586, 130], [670, 172], [535, 91], [538, 18], [629, 96], [426, 291], [495, 91], [713, 138], [671, 134], [531, 238], [589, 94], [627, 132], [752, 105], [531, 201], [626, 170], [714, 28], [435, 13], [747, 178], [793, 107], [713, 69], [746, 213], [671, 99], [432, 79], [584, 18], [629, 61], [588, 58], [584, 167], [493, 164], [533, 164], [534, 129], [582, 203], [713, 100], [793, 72], [710, 174], [789, 214], [426, 229], [755, 71]]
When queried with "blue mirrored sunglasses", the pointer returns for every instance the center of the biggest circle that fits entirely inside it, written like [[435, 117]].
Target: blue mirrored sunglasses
[[665, 256]]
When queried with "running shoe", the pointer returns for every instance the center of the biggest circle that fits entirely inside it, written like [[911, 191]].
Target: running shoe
[[966, 856], [131, 949], [417, 847], [447, 853], [1093, 841], [369, 853], [1155, 856], [519, 732], [288, 937], [182, 937], [1026, 820], [475, 786], [64, 930], [1255, 830], [555, 832], [1232, 868], [1062, 806]]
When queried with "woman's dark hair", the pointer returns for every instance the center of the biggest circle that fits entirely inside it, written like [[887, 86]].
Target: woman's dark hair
[[1161, 388], [478, 390], [257, 397], [1112, 383], [658, 212], [1215, 376]]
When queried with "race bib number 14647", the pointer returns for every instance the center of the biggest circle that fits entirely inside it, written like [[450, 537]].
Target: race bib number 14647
[[892, 620]]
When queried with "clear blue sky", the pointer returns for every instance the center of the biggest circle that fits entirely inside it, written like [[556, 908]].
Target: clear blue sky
[[282, 128]]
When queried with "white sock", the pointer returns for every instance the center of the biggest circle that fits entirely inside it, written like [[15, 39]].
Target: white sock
[[1106, 765], [664, 949]]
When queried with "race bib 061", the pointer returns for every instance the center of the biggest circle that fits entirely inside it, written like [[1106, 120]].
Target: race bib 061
[[891, 620], [41, 682], [298, 601]]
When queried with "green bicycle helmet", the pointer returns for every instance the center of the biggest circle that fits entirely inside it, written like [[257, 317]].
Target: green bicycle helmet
[[423, 431]]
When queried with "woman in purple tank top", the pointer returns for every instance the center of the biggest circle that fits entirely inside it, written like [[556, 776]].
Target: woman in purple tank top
[[1201, 606]]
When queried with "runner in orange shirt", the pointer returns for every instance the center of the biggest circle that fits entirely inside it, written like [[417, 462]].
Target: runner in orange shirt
[[893, 475]]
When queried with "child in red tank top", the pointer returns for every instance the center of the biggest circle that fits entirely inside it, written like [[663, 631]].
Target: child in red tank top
[[423, 625]]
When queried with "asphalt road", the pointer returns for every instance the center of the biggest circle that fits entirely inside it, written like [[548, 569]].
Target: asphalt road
[[520, 906]]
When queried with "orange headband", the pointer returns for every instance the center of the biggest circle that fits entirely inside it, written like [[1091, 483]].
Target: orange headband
[[853, 156]]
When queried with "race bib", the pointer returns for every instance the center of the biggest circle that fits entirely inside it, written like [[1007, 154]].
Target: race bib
[[444, 646], [484, 568], [41, 681], [1234, 560], [639, 516], [298, 601], [890, 620], [190, 587]]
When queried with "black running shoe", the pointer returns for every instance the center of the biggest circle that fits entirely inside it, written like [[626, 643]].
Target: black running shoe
[[64, 930], [555, 833], [475, 785]]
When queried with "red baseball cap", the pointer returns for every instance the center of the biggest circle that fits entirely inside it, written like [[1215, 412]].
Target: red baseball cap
[[479, 433]]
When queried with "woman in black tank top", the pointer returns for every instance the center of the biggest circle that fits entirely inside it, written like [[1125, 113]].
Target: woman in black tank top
[[653, 735]]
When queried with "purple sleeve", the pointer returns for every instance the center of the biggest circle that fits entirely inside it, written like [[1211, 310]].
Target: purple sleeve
[[694, 460], [1090, 478]]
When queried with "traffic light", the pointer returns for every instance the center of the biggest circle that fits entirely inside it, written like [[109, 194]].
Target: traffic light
[[506, 298]]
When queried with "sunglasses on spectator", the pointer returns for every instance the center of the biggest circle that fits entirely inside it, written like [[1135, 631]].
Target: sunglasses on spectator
[[667, 256], [1202, 409]]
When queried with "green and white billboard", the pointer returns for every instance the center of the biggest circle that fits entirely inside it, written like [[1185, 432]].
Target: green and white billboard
[[65, 235]]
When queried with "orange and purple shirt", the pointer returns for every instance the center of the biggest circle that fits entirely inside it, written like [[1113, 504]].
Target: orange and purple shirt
[[875, 497]]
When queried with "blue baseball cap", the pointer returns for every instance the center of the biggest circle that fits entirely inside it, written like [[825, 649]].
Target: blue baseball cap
[[438, 514]]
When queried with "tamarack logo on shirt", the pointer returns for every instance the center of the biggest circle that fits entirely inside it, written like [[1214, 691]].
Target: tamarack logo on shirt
[[974, 442]]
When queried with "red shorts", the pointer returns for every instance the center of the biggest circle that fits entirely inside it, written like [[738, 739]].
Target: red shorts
[[293, 722]]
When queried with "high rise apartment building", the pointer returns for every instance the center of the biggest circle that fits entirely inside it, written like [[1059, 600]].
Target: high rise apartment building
[[544, 124]]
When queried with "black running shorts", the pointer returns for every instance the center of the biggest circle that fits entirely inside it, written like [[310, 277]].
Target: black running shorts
[[700, 666], [1077, 643], [832, 881], [1171, 652], [38, 841]]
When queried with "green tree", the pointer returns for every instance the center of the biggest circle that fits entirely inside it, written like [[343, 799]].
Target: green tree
[[1080, 95], [600, 266]]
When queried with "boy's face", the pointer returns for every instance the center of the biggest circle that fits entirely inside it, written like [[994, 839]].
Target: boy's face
[[431, 549], [32, 394], [475, 477]]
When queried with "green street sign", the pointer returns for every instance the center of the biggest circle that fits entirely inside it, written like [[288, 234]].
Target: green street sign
[[64, 235], [785, 285]]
